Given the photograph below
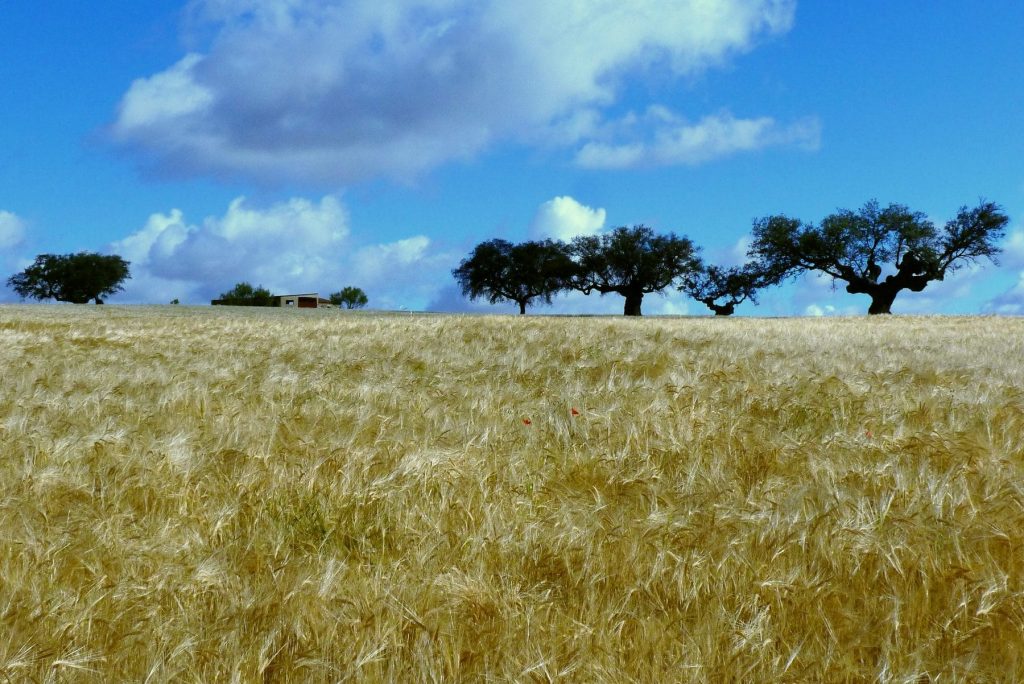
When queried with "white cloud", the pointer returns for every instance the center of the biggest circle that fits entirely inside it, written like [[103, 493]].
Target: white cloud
[[333, 91], [819, 311], [293, 246], [376, 261], [1009, 303], [1013, 250], [165, 98], [12, 236], [12, 230], [406, 273], [563, 218], [667, 139]]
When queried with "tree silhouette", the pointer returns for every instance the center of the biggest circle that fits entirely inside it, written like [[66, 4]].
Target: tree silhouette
[[498, 270], [76, 278], [244, 294], [723, 289], [631, 262], [350, 298], [857, 247]]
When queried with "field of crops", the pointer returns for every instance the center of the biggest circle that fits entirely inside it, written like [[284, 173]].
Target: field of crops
[[199, 494]]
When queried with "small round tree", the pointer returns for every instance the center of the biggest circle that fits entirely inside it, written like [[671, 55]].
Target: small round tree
[[631, 262], [350, 298], [498, 270], [244, 294], [76, 278]]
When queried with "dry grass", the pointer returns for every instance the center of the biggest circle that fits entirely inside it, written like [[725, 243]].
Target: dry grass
[[228, 495]]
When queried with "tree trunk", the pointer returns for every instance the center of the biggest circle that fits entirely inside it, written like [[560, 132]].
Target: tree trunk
[[882, 294], [522, 307], [881, 300], [722, 309], [911, 275], [633, 302]]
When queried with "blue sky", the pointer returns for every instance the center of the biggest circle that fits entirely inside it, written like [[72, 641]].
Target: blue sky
[[307, 145]]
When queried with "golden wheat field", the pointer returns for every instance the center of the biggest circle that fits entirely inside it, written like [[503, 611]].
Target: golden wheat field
[[206, 495]]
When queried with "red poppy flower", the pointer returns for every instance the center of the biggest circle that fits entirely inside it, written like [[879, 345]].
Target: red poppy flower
[[527, 421], [575, 412]]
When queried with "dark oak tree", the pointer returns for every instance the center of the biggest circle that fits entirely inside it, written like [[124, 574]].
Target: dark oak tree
[[723, 289], [859, 247], [76, 278], [350, 298], [244, 294], [498, 270], [631, 262]]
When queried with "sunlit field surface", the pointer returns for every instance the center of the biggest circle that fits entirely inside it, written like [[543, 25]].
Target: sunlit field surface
[[224, 494]]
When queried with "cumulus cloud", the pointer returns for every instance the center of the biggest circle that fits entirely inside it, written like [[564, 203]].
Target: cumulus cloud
[[563, 218], [661, 138], [12, 230], [288, 245], [333, 92], [294, 246]]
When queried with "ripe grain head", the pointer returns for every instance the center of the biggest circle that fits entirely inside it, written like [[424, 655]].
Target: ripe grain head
[[217, 494]]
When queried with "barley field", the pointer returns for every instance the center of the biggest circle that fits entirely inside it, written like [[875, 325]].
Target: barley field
[[208, 495]]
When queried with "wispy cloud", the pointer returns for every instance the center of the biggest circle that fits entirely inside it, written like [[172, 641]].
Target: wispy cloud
[[661, 138]]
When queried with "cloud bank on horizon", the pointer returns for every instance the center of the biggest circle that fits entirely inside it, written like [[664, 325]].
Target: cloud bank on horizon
[[340, 92], [307, 245], [303, 245], [287, 246]]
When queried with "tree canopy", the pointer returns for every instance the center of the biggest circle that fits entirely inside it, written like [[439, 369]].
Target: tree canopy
[[723, 289], [76, 278], [244, 294], [350, 298], [498, 270], [859, 247], [631, 262]]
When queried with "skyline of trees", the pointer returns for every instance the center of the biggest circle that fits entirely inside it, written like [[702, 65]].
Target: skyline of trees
[[857, 247], [877, 251]]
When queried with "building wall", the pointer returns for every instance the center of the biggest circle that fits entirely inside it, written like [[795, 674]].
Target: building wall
[[300, 301]]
